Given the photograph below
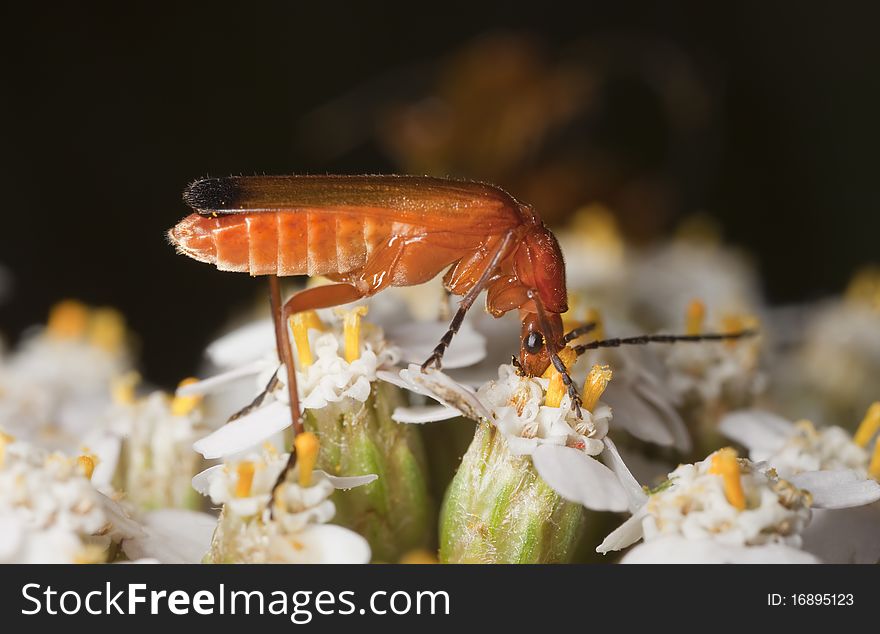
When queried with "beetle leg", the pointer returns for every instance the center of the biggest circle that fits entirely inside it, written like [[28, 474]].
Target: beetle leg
[[308, 299], [247, 409], [468, 300]]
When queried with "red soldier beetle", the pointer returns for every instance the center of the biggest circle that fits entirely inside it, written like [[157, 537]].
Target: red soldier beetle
[[366, 233]]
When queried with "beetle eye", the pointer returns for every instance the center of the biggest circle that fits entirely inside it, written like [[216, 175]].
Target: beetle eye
[[534, 342]]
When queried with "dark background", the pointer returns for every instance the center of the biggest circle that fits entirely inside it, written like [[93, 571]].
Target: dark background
[[109, 111]]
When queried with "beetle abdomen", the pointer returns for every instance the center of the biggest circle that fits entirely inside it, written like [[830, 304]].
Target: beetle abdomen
[[281, 243]]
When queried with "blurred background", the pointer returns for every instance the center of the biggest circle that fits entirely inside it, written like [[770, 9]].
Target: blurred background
[[763, 116]]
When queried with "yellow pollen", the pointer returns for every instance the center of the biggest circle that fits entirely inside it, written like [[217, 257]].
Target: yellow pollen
[[123, 388], [869, 426], [556, 390], [419, 556], [352, 332], [595, 317], [874, 467], [87, 463], [68, 319], [695, 316], [725, 464], [594, 386], [5, 439], [306, 445], [245, 472], [183, 405], [301, 323], [865, 287], [107, 329]]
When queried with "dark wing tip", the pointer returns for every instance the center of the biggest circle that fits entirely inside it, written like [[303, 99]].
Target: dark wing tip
[[212, 194]]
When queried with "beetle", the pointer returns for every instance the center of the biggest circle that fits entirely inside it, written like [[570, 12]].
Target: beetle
[[366, 233]]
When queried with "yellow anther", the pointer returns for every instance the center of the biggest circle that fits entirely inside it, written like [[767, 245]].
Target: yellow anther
[[123, 388], [594, 386], [556, 389], [183, 405], [567, 355], [306, 446], [596, 223], [107, 329], [245, 472], [5, 439], [865, 287], [869, 426], [732, 324], [695, 317], [726, 465], [595, 317], [301, 323], [68, 319], [87, 464], [419, 556], [351, 329], [874, 467], [700, 229]]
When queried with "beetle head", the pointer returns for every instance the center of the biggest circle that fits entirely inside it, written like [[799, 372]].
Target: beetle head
[[536, 341]]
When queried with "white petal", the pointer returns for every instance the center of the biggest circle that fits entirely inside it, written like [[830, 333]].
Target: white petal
[[681, 438], [424, 414], [579, 478], [349, 482], [173, 536], [242, 345], [447, 392], [624, 535], [107, 448], [634, 416], [212, 384], [844, 536], [331, 544], [201, 481], [635, 493], [756, 430], [245, 432], [837, 489], [418, 339], [678, 550]]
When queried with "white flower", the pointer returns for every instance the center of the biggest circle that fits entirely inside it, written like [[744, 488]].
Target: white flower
[[329, 377], [834, 468], [562, 447], [720, 510], [49, 510], [57, 381]]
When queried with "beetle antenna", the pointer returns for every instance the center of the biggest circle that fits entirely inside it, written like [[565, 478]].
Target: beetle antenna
[[646, 339], [579, 332]]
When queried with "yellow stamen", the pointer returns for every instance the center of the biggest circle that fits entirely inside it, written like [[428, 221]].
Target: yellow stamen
[[597, 223], [306, 445], [87, 464], [183, 405], [419, 556], [245, 471], [874, 467], [352, 332], [301, 323], [556, 390], [869, 426], [68, 319], [865, 287], [726, 465], [731, 324], [595, 317], [696, 315], [107, 329], [5, 439], [594, 386], [123, 388]]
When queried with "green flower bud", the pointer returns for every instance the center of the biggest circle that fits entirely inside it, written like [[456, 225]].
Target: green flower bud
[[395, 513], [498, 510]]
